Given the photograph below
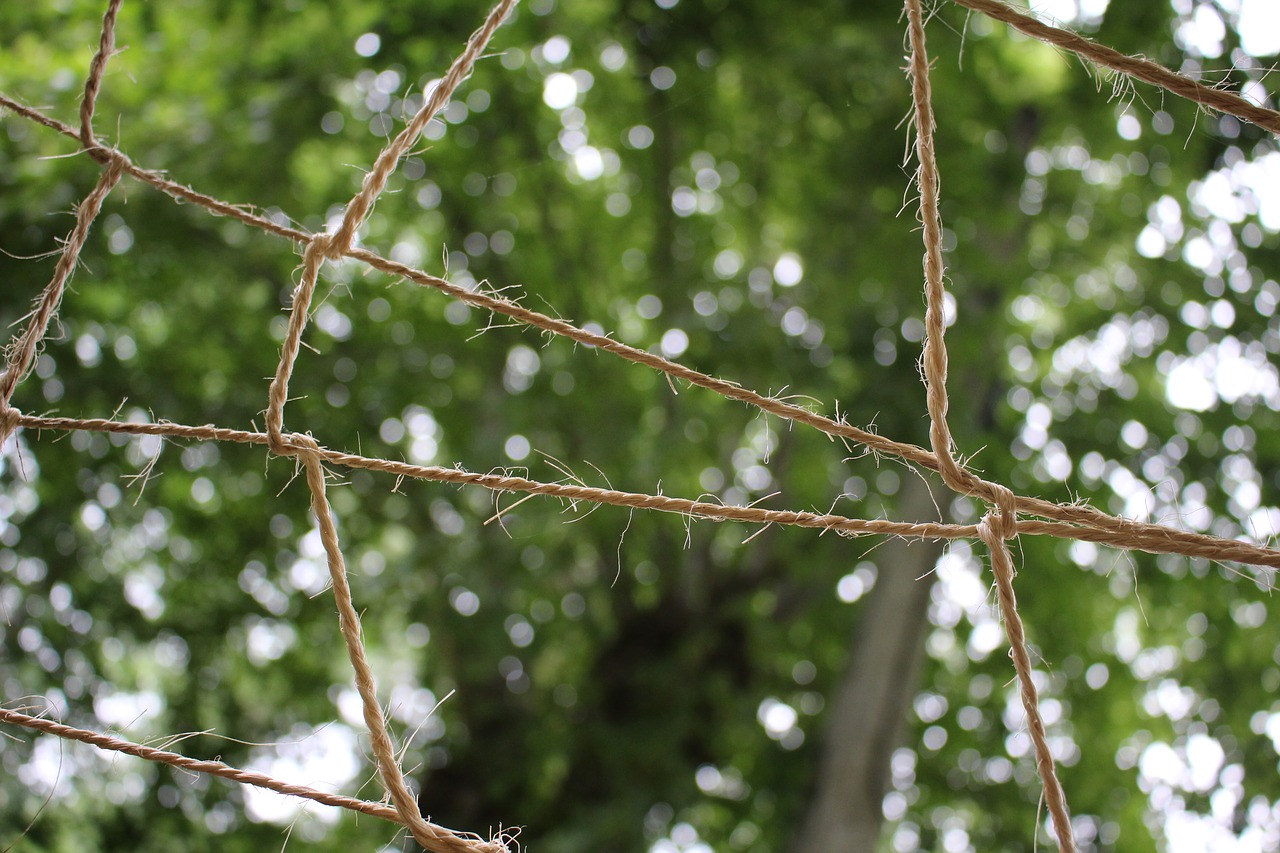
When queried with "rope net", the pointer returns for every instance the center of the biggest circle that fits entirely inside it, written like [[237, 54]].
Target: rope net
[[1010, 515]]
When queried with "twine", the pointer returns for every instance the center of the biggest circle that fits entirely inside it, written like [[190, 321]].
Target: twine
[[1122, 531], [321, 247], [376, 180], [216, 768], [1000, 523], [1152, 538], [22, 352], [106, 47], [1131, 66], [428, 835]]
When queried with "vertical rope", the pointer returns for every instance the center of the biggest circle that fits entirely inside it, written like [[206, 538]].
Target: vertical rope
[[22, 351], [991, 530], [430, 836], [935, 349], [106, 46], [1001, 523]]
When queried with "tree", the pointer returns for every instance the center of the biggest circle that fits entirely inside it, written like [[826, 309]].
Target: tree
[[721, 184]]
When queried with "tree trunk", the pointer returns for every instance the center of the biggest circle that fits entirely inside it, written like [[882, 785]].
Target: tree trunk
[[867, 715]]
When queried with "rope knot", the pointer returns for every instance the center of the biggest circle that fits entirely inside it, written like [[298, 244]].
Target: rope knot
[[99, 152], [1002, 520], [323, 247], [290, 444], [10, 418]]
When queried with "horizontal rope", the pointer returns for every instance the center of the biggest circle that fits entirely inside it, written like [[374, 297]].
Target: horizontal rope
[[1153, 538]]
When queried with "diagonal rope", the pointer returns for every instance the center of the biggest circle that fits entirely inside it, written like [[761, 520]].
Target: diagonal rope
[[1000, 524], [22, 352], [195, 765], [93, 85], [339, 244], [431, 837], [1131, 66]]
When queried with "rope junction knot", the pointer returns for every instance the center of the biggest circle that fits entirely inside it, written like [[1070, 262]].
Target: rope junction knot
[[10, 417], [1002, 520]]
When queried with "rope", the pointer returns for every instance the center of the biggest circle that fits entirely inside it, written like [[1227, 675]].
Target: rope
[[213, 768], [1000, 524], [1131, 66], [1152, 538], [1120, 530], [358, 208], [22, 352]]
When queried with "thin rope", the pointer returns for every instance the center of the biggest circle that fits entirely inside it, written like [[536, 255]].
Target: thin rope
[[994, 529], [384, 752], [1131, 66], [215, 768], [321, 247], [1074, 514], [1152, 538], [935, 349], [376, 181], [22, 352], [1001, 524], [93, 84]]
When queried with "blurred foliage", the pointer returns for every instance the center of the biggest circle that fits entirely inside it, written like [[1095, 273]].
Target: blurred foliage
[[721, 182]]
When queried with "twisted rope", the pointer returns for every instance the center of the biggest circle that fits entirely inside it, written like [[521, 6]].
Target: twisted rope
[[1152, 538], [213, 768], [1075, 514], [1131, 66], [1000, 524], [22, 352], [339, 244]]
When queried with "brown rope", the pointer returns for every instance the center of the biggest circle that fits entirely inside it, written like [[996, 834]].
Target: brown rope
[[22, 352], [1073, 514], [318, 248], [994, 530], [92, 85], [217, 768], [1153, 538], [1001, 524], [431, 837], [321, 247], [1132, 66], [376, 180]]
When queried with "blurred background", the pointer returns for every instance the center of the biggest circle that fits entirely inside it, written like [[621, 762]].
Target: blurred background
[[729, 185]]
